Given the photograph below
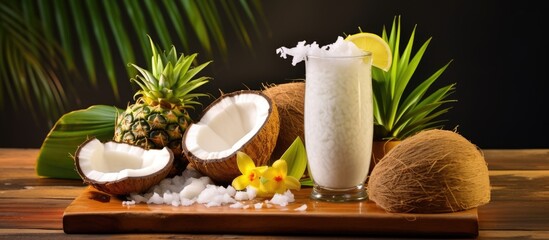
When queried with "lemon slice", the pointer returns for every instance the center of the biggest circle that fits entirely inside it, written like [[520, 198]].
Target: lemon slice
[[381, 53]]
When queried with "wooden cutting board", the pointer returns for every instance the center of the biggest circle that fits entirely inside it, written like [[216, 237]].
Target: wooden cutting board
[[96, 212]]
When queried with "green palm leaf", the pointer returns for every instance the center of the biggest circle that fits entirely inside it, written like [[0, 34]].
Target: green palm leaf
[[417, 94], [396, 114], [102, 44], [84, 39], [64, 30], [56, 37], [29, 67]]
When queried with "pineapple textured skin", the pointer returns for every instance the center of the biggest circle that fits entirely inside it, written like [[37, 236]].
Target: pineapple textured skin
[[159, 116], [154, 127]]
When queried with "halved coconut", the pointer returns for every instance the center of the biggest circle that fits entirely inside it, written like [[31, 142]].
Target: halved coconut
[[120, 168], [244, 121]]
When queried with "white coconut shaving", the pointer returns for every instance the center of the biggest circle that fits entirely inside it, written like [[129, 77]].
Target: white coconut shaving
[[258, 205], [241, 196], [282, 199], [239, 205], [128, 203], [252, 192], [302, 208], [340, 48], [192, 188]]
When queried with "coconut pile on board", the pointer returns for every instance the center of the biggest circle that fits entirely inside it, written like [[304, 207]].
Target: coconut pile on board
[[433, 171], [290, 102], [191, 188]]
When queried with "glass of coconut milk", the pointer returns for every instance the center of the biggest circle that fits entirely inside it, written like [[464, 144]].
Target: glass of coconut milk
[[338, 124]]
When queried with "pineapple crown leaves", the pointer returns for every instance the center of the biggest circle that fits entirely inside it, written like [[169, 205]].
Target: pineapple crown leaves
[[396, 115], [171, 79]]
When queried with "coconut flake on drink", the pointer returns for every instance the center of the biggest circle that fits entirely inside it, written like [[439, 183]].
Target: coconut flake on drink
[[340, 48]]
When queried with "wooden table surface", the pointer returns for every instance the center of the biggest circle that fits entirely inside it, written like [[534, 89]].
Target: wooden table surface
[[32, 207]]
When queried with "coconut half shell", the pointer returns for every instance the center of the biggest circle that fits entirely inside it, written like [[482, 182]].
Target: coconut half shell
[[244, 121], [120, 168]]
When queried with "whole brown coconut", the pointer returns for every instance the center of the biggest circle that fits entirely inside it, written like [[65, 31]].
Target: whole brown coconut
[[290, 101], [433, 171]]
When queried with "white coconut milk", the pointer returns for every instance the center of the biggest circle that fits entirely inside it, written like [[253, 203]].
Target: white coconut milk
[[338, 120], [338, 117]]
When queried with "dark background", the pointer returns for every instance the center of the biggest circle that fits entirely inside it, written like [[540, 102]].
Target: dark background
[[499, 51]]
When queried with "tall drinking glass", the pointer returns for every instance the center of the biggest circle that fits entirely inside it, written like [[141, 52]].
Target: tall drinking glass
[[338, 125]]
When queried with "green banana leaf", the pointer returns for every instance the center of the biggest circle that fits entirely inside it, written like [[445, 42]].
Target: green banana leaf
[[296, 158], [55, 158]]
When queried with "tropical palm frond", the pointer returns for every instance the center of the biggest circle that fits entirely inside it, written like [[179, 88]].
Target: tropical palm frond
[[398, 114], [29, 67], [44, 44]]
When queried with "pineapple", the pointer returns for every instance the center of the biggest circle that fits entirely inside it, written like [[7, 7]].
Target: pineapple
[[159, 116]]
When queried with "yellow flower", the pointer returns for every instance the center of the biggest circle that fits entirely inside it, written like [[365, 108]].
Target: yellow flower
[[277, 180], [266, 180], [250, 173]]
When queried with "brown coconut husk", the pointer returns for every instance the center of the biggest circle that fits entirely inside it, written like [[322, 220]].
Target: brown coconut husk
[[433, 171], [222, 171], [290, 101]]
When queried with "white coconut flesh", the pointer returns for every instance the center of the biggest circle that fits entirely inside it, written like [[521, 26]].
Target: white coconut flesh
[[227, 126], [111, 161]]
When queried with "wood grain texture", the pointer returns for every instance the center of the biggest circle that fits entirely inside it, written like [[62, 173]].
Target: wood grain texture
[[32, 213], [519, 186], [515, 215], [10, 234], [506, 235], [517, 159], [18, 157], [86, 215], [32, 207]]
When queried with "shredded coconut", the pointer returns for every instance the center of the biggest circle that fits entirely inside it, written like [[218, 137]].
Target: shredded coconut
[[252, 192], [282, 199], [339, 48], [128, 203], [191, 188], [302, 208], [236, 205], [241, 196]]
